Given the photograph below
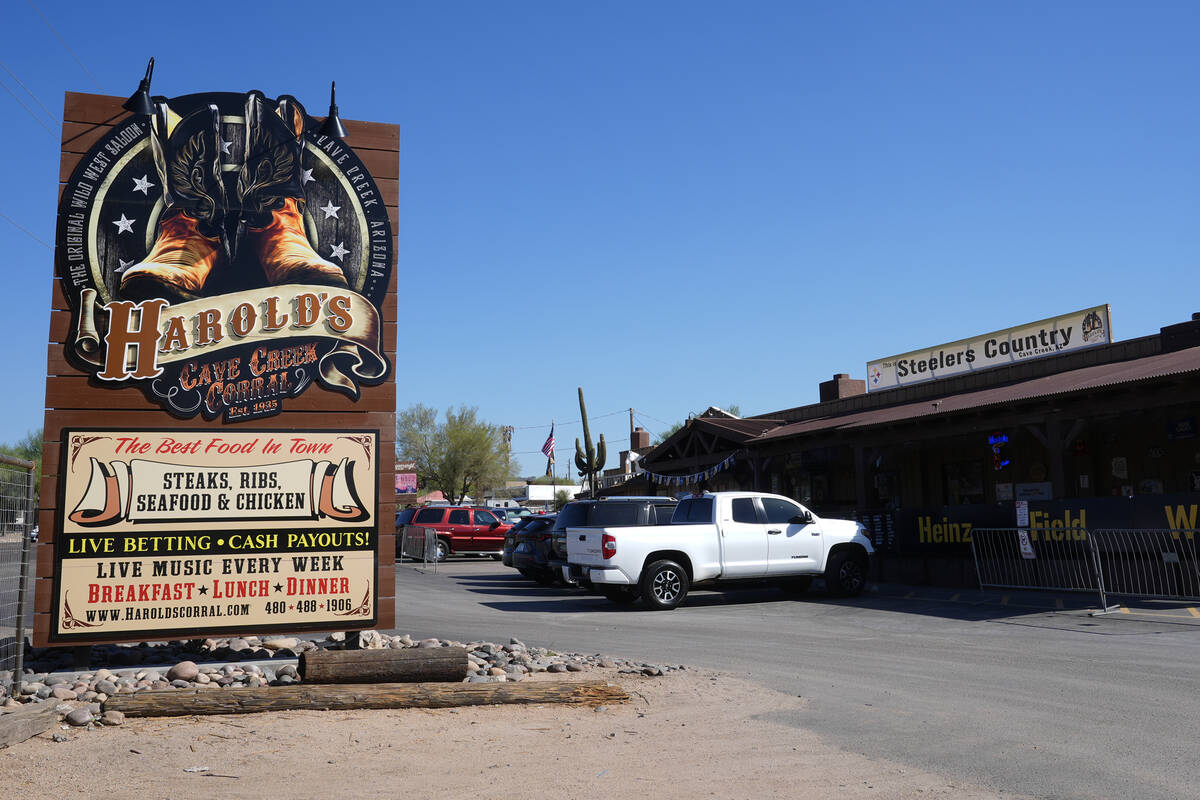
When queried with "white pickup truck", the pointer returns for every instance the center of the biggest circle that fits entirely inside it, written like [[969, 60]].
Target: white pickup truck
[[724, 536]]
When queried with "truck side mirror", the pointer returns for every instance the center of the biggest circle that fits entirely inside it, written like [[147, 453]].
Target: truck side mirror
[[803, 518]]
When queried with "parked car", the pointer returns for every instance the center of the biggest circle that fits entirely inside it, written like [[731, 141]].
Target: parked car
[[604, 512], [463, 530], [510, 541], [516, 514], [531, 557], [725, 536]]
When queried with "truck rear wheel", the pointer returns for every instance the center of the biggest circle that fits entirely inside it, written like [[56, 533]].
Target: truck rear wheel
[[663, 585], [846, 574]]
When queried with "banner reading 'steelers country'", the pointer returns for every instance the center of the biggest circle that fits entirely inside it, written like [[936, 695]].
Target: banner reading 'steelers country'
[[1047, 337], [168, 530], [223, 256]]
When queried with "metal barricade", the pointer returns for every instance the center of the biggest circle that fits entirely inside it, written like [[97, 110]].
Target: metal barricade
[[1034, 558], [1148, 563], [17, 524], [419, 544], [1159, 564]]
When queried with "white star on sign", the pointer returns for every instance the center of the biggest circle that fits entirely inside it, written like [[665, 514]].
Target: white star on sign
[[337, 251], [225, 147], [306, 176], [142, 185], [124, 265], [330, 210], [123, 224]]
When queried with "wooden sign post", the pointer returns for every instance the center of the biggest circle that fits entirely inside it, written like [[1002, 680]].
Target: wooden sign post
[[220, 404]]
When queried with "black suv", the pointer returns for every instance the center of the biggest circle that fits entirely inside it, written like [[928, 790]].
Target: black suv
[[606, 512], [531, 549]]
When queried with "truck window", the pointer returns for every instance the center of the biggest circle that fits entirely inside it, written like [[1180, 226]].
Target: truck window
[[485, 518], [693, 509], [459, 516], [572, 515], [661, 515], [615, 514], [744, 511], [779, 511]]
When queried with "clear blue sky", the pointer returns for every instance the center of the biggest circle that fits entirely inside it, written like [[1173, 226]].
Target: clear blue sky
[[681, 204]]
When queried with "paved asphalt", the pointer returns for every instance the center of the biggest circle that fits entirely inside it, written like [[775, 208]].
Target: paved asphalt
[[1019, 692]]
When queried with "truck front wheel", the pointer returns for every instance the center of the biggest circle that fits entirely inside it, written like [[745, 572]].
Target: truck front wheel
[[663, 585], [846, 574]]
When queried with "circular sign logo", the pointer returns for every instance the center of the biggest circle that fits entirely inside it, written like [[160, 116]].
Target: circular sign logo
[[224, 256]]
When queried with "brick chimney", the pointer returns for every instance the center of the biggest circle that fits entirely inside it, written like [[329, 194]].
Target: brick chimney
[[1181, 336], [841, 386], [639, 438]]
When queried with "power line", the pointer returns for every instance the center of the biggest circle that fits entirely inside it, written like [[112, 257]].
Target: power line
[[25, 230], [571, 422], [65, 45], [655, 419], [27, 111], [28, 91]]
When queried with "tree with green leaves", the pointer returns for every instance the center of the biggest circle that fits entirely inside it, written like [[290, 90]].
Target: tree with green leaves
[[561, 498], [28, 448], [458, 457]]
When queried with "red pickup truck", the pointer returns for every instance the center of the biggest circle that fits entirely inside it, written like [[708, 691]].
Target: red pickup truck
[[461, 530]]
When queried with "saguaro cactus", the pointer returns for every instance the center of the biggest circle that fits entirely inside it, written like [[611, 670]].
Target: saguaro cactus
[[589, 460]]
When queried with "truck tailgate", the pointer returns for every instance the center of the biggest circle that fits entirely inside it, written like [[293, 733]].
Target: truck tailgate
[[584, 546]]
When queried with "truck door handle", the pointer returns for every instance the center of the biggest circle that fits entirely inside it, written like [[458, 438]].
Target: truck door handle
[[774, 531]]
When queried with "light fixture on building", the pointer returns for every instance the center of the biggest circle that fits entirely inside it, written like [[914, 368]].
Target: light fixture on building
[[332, 126], [139, 102]]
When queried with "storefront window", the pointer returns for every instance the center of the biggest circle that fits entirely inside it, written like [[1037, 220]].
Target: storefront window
[[963, 482]]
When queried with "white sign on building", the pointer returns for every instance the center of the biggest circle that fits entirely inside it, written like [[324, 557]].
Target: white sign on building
[[1047, 337]]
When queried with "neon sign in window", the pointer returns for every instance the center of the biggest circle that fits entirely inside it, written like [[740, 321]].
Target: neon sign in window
[[997, 441]]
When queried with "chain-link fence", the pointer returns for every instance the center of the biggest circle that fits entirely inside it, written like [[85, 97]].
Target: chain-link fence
[[18, 529]]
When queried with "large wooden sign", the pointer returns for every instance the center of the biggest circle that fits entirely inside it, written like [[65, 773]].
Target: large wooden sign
[[220, 415]]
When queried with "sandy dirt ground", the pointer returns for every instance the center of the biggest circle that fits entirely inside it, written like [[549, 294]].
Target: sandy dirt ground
[[685, 735]]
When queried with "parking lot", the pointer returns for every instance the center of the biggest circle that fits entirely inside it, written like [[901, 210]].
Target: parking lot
[[1023, 692]]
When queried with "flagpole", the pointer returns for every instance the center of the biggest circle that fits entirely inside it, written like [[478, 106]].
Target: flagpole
[[553, 472]]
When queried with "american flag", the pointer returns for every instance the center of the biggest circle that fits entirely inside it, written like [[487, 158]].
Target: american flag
[[548, 447]]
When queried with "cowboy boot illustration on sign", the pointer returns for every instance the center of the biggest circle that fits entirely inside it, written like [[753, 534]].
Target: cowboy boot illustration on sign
[[271, 194], [191, 238]]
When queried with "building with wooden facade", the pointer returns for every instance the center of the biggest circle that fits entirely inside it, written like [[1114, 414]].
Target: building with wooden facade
[[1099, 437]]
